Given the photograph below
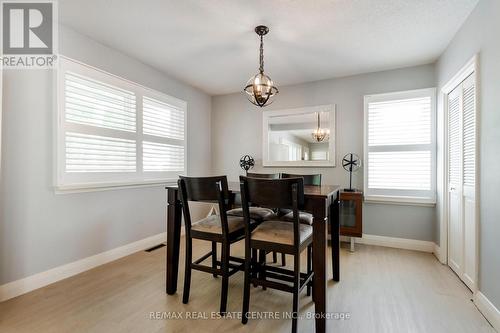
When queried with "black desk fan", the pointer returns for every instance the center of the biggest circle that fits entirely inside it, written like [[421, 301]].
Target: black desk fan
[[350, 162]]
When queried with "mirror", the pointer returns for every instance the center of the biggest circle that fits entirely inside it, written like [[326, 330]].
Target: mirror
[[299, 137]]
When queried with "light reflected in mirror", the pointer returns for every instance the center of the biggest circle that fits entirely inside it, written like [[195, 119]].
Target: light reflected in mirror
[[295, 137]]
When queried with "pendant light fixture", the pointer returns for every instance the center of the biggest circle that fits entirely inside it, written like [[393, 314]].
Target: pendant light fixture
[[260, 88], [319, 134]]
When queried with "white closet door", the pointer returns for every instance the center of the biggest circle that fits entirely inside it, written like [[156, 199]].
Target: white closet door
[[462, 181], [455, 225], [469, 181]]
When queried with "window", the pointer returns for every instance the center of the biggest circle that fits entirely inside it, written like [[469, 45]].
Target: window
[[294, 150], [400, 147], [112, 132]]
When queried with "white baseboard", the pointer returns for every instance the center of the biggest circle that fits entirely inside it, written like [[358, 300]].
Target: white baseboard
[[439, 254], [398, 243], [489, 311], [42, 279]]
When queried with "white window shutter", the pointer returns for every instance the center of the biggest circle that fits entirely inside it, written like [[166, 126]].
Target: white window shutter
[[93, 103], [400, 145], [400, 122], [162, 119], [400, 170], [114, 132], [92, 153], [162, 157], [163, 148]]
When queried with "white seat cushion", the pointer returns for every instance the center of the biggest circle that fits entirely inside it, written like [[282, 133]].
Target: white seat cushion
[[212, 224], [280, 232], [256, 213]]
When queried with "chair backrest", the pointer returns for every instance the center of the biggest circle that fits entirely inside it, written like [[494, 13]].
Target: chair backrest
[[264, 175], [308, 179], [204, 189], [272, 193]]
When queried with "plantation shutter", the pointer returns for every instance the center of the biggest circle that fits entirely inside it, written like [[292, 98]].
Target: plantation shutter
[[93, 103], [400, 144], [113, 132], [163, 149]]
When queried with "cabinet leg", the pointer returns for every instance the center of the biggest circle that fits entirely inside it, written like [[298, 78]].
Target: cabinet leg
[[352, 244]]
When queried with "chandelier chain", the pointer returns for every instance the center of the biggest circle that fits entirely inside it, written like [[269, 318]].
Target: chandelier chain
[[261, 59]]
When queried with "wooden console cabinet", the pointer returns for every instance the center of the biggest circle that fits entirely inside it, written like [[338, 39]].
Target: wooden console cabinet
[[351, 213]]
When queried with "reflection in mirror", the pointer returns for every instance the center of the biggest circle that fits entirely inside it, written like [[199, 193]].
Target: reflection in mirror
[[299, 137]]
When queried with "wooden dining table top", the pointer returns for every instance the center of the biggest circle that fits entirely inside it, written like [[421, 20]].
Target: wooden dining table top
[[309, 190]]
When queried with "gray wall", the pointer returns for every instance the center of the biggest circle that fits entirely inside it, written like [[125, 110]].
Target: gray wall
[[480, 34], [237, 130], [39, 229]]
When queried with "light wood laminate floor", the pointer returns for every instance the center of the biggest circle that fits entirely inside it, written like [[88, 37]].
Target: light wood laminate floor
[[382, 290]]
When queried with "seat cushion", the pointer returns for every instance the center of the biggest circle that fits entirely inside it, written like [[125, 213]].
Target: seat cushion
[[305, 218], [280, 232], [256, 213], [212, 224]]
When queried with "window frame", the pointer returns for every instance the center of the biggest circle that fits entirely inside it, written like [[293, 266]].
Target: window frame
[[405, 197], [90, 181]]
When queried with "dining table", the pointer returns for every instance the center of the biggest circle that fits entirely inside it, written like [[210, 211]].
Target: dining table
[[321, 201]]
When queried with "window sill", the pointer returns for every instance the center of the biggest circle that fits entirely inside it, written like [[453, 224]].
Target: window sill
[[405, 201], [97, 187]]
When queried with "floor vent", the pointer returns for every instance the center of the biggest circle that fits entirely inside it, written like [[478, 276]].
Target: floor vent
[[156, 247]]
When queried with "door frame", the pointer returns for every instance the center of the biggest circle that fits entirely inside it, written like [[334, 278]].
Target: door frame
[[1, 115], [471, 67]]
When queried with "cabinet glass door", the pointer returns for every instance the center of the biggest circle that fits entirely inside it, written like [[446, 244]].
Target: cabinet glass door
[[348, 213]]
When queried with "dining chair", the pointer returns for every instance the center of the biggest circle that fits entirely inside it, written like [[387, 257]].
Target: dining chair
[[259, 214], [219, 228], [314, 179], [276, 235], [309, 180], [304, 217], [263, 175]]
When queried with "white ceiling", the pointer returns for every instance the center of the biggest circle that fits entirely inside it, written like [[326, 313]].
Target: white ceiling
[[211, 44]]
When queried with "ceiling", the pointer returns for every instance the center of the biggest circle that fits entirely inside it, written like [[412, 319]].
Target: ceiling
[[211, 44]]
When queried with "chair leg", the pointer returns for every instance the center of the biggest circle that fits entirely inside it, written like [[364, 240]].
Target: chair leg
[[312, 268], [187, 271], [246, 288], [214, 257], [262, 263], [254, 265], [225, 276], [296, 287], [275, 257], [283, 260], [309, 268]]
